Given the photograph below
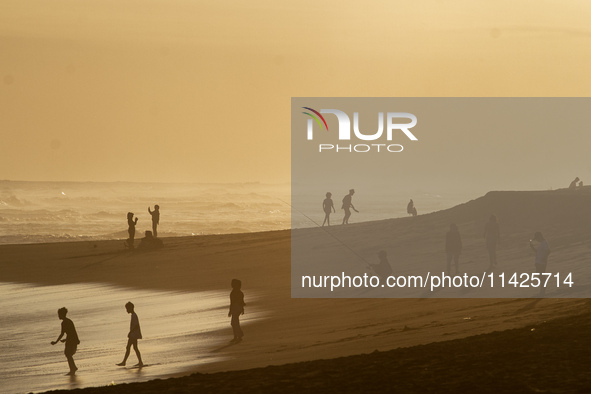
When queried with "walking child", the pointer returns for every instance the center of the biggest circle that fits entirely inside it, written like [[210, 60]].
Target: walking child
[[327, 207], [71, 340], [135, 333]]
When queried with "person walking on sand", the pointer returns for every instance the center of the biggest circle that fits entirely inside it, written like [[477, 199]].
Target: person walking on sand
[[542, 252], [327, 207], [131, 229], [453, 247], [71, 340], [236, 309], [347, 205], [492, 235], [155, 219], [135, 333]]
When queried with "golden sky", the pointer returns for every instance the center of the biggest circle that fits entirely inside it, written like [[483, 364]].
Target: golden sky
[[195, 91]]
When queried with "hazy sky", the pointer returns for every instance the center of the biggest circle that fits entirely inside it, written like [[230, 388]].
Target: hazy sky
[[194, 91]]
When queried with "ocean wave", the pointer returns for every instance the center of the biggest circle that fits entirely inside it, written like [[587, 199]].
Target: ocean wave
[[43, 238], [13, 201]]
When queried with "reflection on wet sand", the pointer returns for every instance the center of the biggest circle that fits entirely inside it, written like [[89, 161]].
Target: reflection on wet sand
[[180, 330]]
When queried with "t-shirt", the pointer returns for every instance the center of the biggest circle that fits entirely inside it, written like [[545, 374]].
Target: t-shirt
[[134, 328], [155, 216], [236, 302], [347, 201], [492, 233], [383, 269], [542, 253], [453, 242], [328, 204], [70, 331]]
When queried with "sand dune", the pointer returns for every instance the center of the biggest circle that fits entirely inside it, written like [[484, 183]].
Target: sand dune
[[306, 329]]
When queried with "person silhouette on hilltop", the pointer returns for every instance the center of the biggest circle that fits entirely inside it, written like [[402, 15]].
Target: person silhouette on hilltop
[[131, 229], [327, 207], [453, 247], [236, 309], [71, 340], [492, 235], [410, 208], [573, 184], [347, 205], [155, 219], [135, 333]]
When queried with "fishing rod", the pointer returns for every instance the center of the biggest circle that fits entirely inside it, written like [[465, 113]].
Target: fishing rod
[[331, 234]]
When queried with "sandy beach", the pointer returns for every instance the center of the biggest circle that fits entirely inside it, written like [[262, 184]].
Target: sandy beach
[[239, 120], [290, 330]]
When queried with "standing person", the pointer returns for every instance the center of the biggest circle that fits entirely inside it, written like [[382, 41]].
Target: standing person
[[135, 333], [453, 247], [327, 207], [131, 229], [71, 340], [542, 252], [492, 235], [347, 205], [236, 309], [155, 219]]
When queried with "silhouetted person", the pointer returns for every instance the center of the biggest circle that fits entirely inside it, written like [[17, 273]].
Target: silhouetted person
[[383, 268], [327, 207], [581, 184], [453, 247], [149, 242], [492, 235], [573, 184], [71, 340], [347, 205], [236, 309], [135, 333], [131, 229], [410, 208], [542, 252], [155, 219]]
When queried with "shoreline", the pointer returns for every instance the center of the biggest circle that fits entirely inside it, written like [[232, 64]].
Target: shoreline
[[301, 329], [530, 359]]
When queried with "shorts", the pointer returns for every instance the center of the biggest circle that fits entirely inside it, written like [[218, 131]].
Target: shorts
[[70, 349]]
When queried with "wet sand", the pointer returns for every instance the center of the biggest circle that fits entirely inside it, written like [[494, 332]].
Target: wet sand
[[181, 330], [301, 330], [549, 357]]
